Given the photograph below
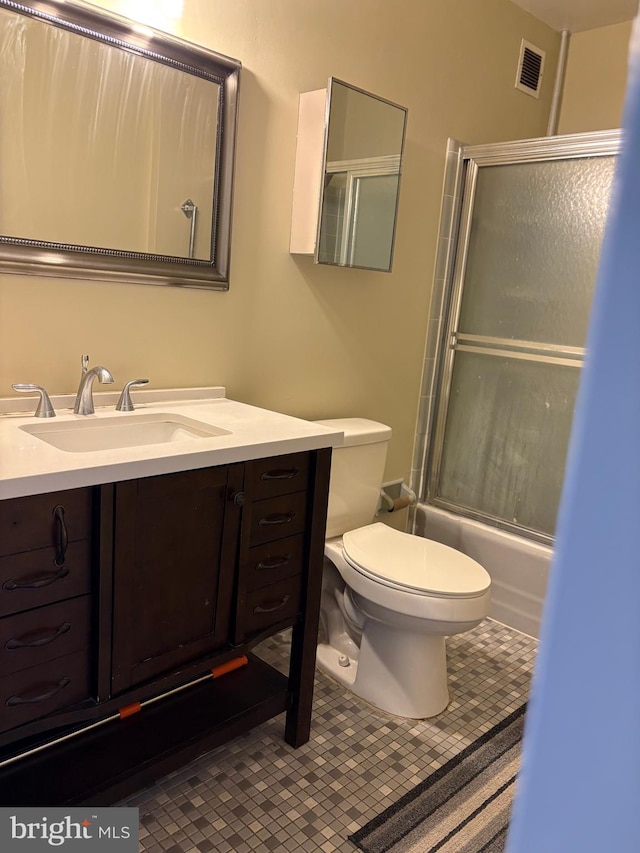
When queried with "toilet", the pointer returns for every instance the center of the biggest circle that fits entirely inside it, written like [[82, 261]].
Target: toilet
[[389, 598]]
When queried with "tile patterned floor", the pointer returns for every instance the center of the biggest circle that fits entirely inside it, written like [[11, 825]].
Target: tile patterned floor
[[258, 794]]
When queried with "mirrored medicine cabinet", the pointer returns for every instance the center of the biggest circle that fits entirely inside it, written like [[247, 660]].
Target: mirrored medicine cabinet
[[347, 178], [116, 149]]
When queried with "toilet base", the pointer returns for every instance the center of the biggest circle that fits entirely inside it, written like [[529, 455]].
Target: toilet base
[[402, 673], [337, 665]]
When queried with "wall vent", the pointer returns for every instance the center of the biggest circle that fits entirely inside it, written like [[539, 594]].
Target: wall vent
[[530, 68]]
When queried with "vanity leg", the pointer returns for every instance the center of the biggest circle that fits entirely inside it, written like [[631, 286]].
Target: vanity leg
[[305, 633]]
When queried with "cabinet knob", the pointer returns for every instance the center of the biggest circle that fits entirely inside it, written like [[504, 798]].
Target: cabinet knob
[[239, 498]]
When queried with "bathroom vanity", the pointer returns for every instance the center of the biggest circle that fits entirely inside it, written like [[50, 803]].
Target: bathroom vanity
[[135, 581]]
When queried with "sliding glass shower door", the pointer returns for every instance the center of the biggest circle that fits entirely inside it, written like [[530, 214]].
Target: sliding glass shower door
[[531, 226]]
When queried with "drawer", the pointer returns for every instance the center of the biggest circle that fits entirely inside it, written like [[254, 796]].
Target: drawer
[[277, 518], [32, 579], [41, 635], [29, 523], [40, 690], [278, 475], [273, 562], [271, 605]]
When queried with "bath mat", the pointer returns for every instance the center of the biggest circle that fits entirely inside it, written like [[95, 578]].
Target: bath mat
[[463, 807]]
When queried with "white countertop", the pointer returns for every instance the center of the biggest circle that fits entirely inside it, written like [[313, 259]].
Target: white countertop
[[29, 465]]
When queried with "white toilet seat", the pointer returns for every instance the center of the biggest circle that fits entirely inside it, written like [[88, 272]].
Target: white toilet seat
[[413, 564]]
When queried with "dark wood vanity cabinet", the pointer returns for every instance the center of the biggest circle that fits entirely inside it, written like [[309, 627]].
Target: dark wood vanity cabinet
[[121, 603]]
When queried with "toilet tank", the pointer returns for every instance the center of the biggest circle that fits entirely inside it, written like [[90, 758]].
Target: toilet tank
[[357, 469]]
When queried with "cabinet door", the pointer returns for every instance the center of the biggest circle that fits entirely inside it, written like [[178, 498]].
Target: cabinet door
[[174, 558]]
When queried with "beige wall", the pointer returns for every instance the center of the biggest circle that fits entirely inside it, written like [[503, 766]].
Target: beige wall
[[307, 340], [595, 79]]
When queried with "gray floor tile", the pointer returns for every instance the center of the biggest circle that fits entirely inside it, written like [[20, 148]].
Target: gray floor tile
[[257, 795]]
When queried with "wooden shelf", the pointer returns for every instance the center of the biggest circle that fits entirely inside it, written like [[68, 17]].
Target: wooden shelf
[[103, 765]]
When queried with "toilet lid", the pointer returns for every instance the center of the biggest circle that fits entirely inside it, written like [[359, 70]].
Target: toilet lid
[[413, 562]]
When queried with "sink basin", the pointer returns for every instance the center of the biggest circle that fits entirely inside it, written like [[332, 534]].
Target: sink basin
[[122, 431]]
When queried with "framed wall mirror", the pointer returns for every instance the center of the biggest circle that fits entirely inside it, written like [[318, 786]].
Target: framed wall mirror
[[116, 149], [361, 179]]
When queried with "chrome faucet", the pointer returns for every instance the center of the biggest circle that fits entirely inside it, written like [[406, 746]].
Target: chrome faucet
[[84, 397]]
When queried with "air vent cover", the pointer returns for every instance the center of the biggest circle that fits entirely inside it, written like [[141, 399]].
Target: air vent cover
[[530, 67]]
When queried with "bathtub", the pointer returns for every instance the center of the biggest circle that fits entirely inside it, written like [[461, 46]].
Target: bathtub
[[519, 568]]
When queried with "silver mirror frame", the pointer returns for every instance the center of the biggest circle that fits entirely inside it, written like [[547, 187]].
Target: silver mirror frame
[[63, 260]]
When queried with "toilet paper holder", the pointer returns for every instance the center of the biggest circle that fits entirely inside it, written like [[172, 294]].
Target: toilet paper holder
[[395, 495]]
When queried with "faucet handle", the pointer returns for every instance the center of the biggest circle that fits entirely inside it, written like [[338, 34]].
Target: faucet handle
[[45, 409], [125, 403]]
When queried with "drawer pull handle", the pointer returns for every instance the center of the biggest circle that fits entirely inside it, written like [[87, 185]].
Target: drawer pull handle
[[63, 536], [19, 700], [260, 609], [45, 581], [277, 518], [283, 474], [273, 563], [43, 641]]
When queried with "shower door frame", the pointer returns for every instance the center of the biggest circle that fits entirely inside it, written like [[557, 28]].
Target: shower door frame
[[462, 167]]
